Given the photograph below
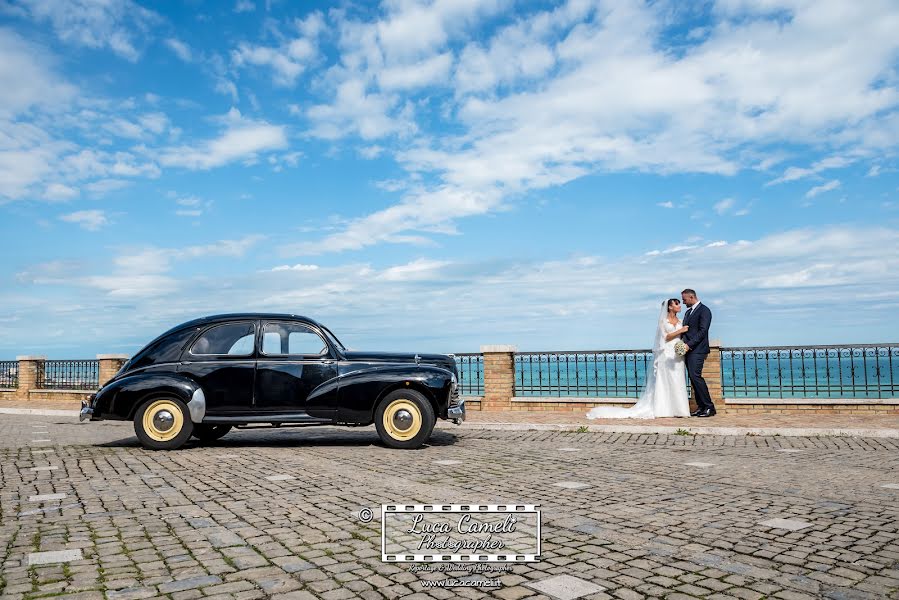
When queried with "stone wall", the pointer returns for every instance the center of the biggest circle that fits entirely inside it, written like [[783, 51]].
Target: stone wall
[[27, 394]]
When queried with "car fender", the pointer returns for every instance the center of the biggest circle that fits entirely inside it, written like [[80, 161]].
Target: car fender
[[120, 399], [360, 390]]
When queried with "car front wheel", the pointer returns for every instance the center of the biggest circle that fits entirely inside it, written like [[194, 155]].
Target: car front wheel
[[163, 424], [404, 419], [206, 432]]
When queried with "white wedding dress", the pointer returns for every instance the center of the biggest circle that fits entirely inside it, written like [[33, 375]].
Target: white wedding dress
[[665, 394]]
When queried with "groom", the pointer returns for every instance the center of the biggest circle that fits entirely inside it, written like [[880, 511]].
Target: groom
[[698, 319]]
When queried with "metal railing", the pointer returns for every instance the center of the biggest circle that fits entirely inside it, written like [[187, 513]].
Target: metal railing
[[844, 371], [9, 374], [69, 375], [602, 373], [471, 373]]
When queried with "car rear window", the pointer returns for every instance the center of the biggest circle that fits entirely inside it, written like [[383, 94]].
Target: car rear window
[[168, 349]]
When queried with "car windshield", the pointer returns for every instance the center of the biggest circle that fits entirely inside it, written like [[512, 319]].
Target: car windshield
[[332, 338]]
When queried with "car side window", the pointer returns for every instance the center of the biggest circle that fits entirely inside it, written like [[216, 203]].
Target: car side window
[[235, 339], [291, 338]]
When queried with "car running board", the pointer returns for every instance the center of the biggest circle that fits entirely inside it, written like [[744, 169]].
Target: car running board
[[273, 418]]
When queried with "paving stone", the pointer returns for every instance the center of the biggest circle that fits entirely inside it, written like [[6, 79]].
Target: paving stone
[[701, 465], [188, 584], [280, 477], [54, 556], [572, 485], [565, 587], [46, 497], [789, 524]]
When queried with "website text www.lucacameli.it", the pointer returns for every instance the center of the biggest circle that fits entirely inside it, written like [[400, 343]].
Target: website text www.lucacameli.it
[[447, 583]]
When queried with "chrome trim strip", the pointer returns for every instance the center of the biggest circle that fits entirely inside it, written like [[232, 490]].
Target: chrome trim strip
[[197, 406]]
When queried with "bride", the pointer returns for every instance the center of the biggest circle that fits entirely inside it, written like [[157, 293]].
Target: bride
[[665, 394]]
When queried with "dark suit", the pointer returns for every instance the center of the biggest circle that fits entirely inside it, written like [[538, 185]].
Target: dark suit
[[698, 319]]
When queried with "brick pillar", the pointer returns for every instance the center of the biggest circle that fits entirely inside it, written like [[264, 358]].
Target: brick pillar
[[711, 372], [30, 369], [110, 365], [499, 377]]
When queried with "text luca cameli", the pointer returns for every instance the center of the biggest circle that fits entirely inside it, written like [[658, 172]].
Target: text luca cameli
[[443, 533]]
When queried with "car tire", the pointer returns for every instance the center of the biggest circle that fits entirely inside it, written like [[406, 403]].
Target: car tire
[[404, 419], [207, 432], [163, 423]]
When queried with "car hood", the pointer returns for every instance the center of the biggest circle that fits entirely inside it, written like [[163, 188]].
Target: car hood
[[440, 360]]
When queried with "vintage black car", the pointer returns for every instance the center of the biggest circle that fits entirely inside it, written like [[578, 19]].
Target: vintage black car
[[206, 376]]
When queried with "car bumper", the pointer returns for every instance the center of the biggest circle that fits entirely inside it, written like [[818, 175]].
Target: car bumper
[[456, 414], [87, 412]]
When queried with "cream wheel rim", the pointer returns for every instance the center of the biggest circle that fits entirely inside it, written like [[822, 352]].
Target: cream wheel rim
[[402, 419], [163, 420]]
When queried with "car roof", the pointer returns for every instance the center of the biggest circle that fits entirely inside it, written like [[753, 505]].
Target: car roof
[[241, 316]]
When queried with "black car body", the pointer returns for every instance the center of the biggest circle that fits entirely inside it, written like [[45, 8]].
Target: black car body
[[205, 376]]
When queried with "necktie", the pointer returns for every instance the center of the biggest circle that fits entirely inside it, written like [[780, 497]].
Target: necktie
[[689, 312]]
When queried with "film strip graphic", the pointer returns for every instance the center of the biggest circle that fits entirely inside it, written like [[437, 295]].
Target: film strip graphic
[[395, 519]]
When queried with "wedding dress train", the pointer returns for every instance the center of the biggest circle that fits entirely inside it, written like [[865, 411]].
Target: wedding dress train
[[665, 394]]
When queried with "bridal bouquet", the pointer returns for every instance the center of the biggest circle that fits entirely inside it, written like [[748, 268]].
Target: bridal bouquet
[[680, 348]]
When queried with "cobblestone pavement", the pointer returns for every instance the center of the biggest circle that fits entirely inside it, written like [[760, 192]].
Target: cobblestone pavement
[[206, 522]]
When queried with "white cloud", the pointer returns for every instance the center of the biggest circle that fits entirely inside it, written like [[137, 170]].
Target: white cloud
[[115, 24], [418, 270], [667, 204], [426, 72], [59, 191], [244, 6], [92, 220], [288, 60], [825, 187], [104, 186], [796, 173], [296, 267], [242, 139], [180, 49], [724, 206], [28, 77], [355, 111]]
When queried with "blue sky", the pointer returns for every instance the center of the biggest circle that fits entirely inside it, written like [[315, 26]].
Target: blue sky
[[436, 176]]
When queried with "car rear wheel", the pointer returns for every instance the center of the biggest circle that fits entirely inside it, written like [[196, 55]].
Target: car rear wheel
[[209, 433], [404, 419], [163, 424]]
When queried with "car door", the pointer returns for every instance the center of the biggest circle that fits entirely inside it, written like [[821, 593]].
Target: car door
[[222, 360], [293, 362]]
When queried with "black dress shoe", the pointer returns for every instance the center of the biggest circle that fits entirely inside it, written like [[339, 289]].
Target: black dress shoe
[[709, 412], [695, 413]]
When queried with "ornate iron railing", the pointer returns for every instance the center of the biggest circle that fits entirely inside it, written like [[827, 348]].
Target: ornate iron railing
[[69, 375], [845, 371], [601, 373], [9, 374], [471, 373]]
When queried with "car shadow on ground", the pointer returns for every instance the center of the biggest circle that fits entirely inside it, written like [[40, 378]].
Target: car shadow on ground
[[290, 438]]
